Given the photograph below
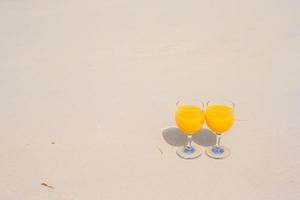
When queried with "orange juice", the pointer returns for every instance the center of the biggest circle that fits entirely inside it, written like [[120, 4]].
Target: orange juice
[[189, 118], [219, 118]]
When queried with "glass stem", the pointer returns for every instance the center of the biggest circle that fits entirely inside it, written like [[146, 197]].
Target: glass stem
[[218, 140], [189, 141]]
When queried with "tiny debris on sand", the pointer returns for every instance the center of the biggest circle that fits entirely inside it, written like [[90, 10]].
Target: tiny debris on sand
[[159, 149], [46, 185], [52, 142], [242, 120]]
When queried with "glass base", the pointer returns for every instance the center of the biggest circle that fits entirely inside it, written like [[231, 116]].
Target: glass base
[[219, 152], [189, 152]]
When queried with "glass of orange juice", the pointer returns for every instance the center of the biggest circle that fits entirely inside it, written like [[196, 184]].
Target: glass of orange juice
[[219, 117], [189, 118]]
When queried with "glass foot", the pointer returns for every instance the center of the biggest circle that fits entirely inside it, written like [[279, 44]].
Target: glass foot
[[189, 152], [219, 152]]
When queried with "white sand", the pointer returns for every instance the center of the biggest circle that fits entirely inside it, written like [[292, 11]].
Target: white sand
[[101, 78]]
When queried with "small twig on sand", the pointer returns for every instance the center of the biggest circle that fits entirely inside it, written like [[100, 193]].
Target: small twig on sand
[[46, 185]]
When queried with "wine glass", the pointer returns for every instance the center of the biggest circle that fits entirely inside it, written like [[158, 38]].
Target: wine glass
[[219, 117], [189, 118]]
